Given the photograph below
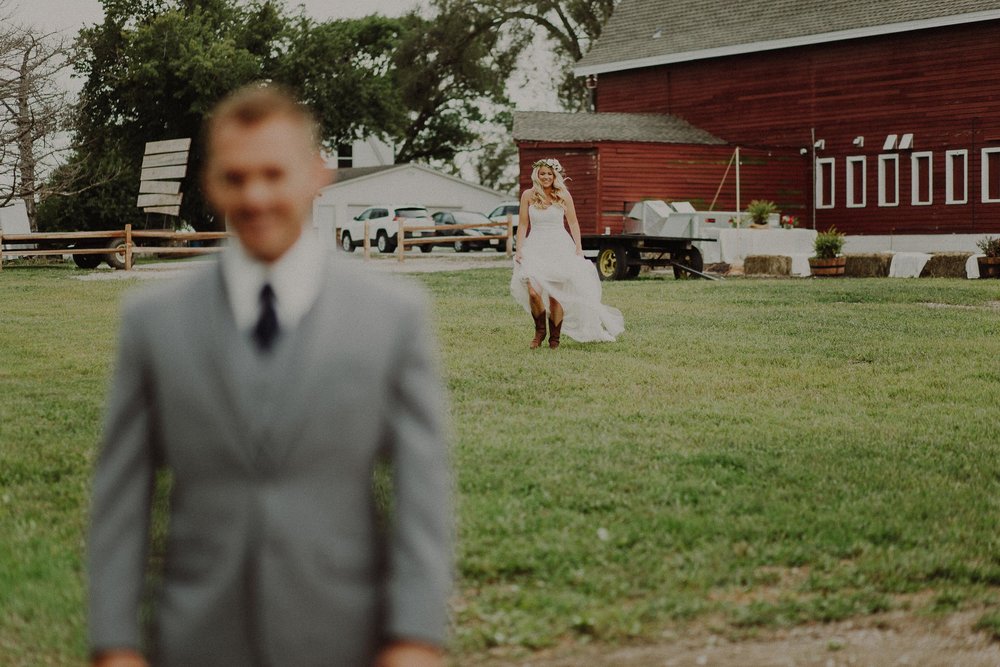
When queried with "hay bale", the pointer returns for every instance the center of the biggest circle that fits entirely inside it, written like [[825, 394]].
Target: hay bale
[[868, 265], [946, 265], [767, 265], [720, 268]]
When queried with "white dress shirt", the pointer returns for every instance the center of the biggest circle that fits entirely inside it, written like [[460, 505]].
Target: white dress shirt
[[295, 278]]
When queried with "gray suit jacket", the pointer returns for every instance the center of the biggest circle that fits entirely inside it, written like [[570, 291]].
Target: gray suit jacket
[[274, 555]]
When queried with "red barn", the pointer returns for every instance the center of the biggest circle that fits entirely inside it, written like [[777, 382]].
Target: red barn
[[877, 117]]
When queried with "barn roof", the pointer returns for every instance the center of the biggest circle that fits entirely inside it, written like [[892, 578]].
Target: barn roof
[[646, 33], [576, 127]]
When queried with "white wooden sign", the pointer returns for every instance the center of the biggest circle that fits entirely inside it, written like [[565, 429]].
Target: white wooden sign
[[162, 161], [160, 187], [159, 200], [168, 146]]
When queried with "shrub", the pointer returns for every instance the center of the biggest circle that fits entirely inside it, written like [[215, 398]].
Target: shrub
[[828, 244], [990, 246]]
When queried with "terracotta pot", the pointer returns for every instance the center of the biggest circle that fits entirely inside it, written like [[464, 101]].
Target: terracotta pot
[[834, 266], [989, 267]]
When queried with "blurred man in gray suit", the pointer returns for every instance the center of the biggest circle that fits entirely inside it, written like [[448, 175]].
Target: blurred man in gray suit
[[271, 384]]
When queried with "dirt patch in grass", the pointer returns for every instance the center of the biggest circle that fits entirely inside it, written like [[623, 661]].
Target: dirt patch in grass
[[989, 305], [883, 640]]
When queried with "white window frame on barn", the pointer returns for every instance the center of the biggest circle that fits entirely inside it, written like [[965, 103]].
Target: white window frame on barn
[[950, 158], [882, 161], [825, 186], [915, 173], [853, 201], [987, 175]]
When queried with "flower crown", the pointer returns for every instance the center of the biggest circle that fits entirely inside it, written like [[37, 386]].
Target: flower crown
[[549, 162]]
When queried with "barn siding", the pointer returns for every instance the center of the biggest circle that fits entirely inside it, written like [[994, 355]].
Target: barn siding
[[942, 85], [607, 179]]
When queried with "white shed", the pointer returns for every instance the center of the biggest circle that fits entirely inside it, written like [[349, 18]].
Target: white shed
[[14, 218], [353, 190]]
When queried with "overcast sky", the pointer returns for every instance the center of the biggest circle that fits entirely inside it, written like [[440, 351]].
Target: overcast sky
[[70, 15]]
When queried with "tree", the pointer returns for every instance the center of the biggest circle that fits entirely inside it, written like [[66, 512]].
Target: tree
[[33, 111], [572, 26], [450, 71], [154, 68]]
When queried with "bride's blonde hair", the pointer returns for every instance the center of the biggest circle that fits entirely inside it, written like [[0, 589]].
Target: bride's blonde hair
[[559, 190]]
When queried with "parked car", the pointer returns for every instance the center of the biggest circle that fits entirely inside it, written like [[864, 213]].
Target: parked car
[[383, 227], [473, 242], [507, 208]]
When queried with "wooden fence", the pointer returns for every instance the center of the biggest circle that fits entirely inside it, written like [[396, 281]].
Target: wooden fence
[[122, 243], [403, 243]]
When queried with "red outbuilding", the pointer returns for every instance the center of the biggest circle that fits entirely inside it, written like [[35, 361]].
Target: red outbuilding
[[876, 117]]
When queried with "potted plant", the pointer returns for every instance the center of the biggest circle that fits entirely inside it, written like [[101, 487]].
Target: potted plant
[[760, 211], [828, 261], [989, 266]]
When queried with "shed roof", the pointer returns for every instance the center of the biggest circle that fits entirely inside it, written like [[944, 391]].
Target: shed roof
[[645, 33], [575, 127], [345, 174]]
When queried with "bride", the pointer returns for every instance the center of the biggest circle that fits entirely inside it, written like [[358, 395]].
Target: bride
[[551, 276]]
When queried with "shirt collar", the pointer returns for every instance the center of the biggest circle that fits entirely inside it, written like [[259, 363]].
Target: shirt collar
[[295, 277]]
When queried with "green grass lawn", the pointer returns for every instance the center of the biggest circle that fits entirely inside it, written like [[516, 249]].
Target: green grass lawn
[[750, 453]]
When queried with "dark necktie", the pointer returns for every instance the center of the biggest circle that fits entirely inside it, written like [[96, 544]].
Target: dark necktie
[[266, 329]]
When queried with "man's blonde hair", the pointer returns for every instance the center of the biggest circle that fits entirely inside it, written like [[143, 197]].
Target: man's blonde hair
[[258, 102]]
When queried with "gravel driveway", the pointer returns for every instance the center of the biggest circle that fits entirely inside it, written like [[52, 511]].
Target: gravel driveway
[[440, 259]]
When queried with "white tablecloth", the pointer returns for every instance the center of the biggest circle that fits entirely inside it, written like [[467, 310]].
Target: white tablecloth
[[972, 267], [907, 264]]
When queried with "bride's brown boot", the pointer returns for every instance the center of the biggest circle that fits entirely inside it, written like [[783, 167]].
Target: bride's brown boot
[[539, 330], [554, 330]]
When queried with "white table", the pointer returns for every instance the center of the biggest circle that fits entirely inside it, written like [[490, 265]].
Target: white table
[[736, 244]]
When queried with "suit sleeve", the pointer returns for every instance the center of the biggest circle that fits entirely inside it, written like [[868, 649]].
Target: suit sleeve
[[420, 544], [120, 504]]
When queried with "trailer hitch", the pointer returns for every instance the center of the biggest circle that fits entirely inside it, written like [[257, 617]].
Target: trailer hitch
[[693, 271]]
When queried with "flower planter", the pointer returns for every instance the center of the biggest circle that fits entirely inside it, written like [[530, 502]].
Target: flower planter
[[989, 267], [833, 266]]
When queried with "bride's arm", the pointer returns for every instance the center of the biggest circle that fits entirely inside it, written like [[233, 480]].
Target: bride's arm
[[523, 224], [574, 224]]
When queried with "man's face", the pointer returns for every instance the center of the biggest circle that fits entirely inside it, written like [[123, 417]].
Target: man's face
[[263, 179]]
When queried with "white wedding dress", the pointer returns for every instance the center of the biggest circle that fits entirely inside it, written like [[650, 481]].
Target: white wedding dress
[[550, 263]]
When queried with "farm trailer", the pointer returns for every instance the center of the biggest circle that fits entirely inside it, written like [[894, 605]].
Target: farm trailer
[[657, 234]]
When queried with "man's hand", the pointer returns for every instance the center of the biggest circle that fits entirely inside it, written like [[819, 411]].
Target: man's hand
[[410, 654], [124, 658]]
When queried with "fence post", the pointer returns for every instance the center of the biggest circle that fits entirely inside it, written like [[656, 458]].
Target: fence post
[[510, 233], [1, 249], [367, 243], [128, 247], [400, 245]]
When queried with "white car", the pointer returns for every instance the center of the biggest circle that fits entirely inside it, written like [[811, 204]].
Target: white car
[[505, 209], [383, 227]]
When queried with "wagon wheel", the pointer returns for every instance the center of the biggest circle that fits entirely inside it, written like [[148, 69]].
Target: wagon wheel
[[116, 258], [690, 258], [611, 263], [87, 261]]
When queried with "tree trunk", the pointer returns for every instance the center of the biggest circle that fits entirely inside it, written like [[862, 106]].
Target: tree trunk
[[25, 140]]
